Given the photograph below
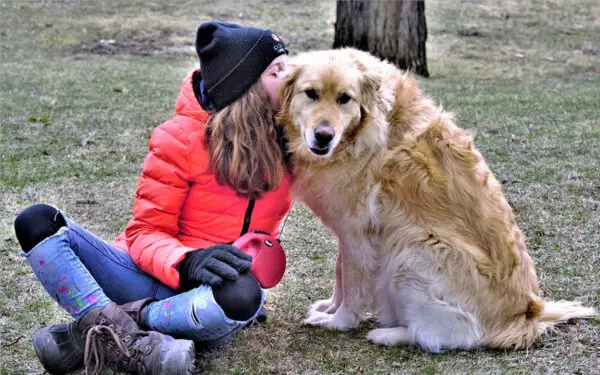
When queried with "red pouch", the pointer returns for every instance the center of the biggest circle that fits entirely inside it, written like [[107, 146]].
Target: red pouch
[[268, 257]]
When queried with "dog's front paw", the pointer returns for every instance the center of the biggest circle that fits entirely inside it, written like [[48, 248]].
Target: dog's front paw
[[328, 306], [388, 336], [342, 320]]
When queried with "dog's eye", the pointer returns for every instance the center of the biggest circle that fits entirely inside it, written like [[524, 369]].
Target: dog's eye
[[312, 94], [344, 98]]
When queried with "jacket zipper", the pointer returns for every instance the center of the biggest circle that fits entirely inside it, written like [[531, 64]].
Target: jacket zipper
[[247, 217]]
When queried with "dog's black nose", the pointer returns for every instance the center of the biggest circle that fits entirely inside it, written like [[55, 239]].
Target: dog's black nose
[[324, 134]]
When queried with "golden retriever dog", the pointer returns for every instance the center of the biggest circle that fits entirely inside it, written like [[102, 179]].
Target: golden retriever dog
[[427, 241]]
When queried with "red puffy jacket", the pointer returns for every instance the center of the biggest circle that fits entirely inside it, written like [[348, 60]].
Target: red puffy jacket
[[179, 207]]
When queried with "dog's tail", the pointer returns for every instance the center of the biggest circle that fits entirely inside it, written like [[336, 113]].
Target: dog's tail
[[555, 312], [542, 316]]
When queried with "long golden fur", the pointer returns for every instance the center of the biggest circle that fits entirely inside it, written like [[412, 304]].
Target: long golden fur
[[243, 144], [427, 240]]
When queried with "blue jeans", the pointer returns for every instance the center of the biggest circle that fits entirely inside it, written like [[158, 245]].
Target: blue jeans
[[57, 260], [113, 269]]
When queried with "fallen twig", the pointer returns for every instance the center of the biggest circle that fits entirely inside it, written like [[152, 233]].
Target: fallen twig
[[13, 342]]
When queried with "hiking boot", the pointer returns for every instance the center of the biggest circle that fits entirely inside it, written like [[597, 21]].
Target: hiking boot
[[59, 348], [109, 335], [261, 318], [134, 310]]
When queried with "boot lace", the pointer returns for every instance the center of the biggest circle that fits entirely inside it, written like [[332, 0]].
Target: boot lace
[[128, 359], [93, 355]]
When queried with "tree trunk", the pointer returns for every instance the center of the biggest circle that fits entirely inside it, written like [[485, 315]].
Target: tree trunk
[[391, 29]]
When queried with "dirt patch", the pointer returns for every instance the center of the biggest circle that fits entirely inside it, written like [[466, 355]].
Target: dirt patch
[[130, 46], [583, 72], [112, 47], [145, 41], [470, 31]]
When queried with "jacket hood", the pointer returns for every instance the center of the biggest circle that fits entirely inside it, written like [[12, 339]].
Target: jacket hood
[[187, 104]]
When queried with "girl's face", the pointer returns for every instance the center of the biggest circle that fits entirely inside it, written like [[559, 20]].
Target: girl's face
[[271, 79]]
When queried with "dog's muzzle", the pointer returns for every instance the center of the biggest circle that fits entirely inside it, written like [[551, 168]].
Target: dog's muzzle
[[321, 139]]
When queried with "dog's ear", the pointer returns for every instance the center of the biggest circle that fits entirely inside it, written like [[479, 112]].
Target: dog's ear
[[368, 92], [286, 91]]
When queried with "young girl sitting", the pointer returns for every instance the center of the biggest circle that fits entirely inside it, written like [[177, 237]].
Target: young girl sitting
[[214, 171]]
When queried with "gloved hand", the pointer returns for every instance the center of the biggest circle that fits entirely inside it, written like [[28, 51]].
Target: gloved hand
[[213, 265]]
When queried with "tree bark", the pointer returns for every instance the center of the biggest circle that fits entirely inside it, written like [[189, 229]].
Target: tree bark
[[391, 29]]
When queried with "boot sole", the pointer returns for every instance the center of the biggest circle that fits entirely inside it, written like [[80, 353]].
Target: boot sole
[[179, 358]]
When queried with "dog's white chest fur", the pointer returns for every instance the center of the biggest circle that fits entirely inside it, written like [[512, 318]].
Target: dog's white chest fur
[[326, 195]]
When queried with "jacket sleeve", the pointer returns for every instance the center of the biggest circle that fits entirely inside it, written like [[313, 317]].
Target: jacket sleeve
[[161, 192]]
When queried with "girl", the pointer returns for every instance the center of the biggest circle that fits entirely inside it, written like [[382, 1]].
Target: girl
[[214, 171]]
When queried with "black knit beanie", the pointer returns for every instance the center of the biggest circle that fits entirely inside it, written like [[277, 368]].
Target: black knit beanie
[[232, 58]]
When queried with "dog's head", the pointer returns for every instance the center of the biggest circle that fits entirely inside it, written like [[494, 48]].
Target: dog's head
[[327, 98]]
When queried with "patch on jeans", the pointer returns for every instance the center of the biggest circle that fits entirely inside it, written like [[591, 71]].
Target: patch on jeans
[[56, 273]]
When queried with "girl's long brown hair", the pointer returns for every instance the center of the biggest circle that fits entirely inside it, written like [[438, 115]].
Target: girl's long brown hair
[[243, 144]]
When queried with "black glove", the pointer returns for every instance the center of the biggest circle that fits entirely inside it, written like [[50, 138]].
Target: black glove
[[213, 265]]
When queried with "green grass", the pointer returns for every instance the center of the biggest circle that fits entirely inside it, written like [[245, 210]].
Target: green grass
[[82, 85]]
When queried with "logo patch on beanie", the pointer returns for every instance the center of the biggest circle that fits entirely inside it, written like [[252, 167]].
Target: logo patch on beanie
[[278, 47]]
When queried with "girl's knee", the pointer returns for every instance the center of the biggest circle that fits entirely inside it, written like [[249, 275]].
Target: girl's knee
[[36, 223], [239, 299]]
